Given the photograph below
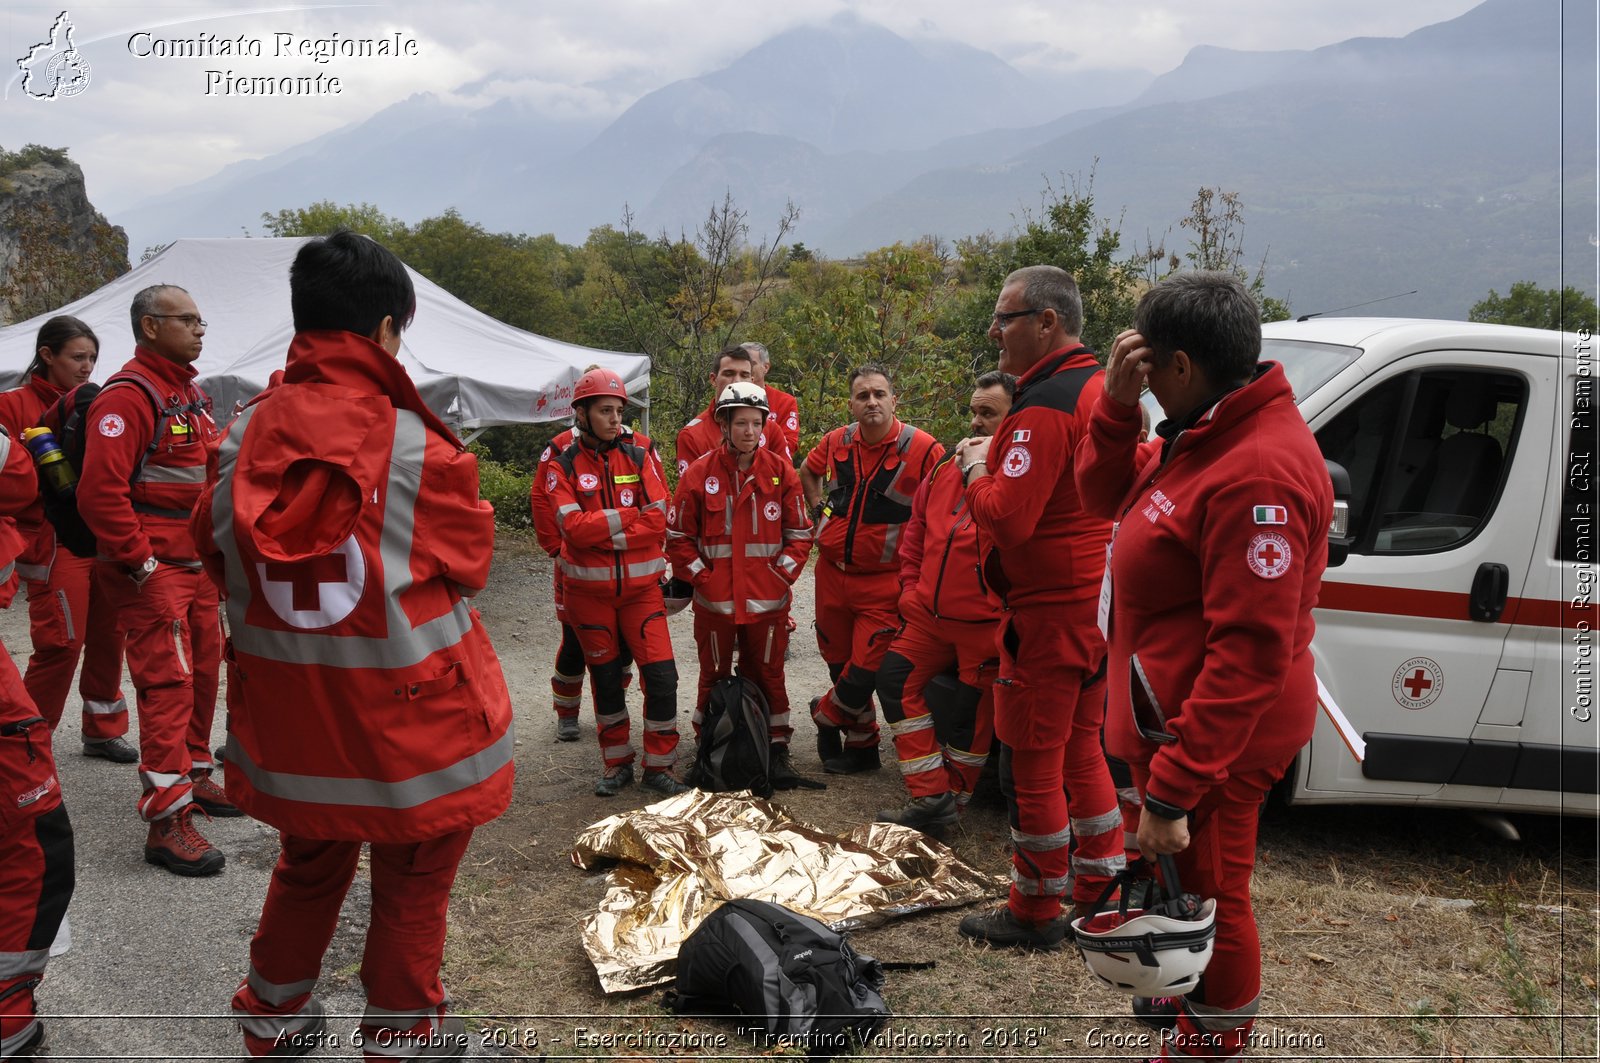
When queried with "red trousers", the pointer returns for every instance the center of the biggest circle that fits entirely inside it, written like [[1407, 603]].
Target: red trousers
[[759, 646], [926, 646], [636, 621], [36, 871], [1066, 828], [174, 649], [405, 939], [1217, 1016], [857, 617], [68, 614]]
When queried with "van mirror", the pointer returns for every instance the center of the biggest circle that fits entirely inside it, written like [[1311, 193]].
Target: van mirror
[[1339, 538]]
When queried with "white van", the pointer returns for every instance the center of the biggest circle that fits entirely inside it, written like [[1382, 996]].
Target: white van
[[1455, 641]]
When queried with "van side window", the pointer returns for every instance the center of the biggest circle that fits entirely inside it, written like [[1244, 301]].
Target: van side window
[[1576, 541], [1427, 454]]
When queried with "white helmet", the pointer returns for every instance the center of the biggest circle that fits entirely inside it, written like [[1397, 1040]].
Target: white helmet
[[742, 393], [1157, 951], [676, 594]]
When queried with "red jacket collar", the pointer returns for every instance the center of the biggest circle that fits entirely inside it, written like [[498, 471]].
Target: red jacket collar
[[42, 387], [163, 370], [1269, 385], [1073, 356], [353, 361]]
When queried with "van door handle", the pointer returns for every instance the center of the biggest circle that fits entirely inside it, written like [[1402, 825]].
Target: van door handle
[[1489, 586]]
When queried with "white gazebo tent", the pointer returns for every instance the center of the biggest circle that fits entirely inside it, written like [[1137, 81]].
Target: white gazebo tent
[[474, 371]]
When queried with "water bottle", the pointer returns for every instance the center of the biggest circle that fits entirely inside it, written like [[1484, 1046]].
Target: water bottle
[[55, 471]]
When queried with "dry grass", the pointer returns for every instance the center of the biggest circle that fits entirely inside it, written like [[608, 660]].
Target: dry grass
[[1386, 934]]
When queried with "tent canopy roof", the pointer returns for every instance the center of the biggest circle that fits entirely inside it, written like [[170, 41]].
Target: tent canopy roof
[[473, 370]]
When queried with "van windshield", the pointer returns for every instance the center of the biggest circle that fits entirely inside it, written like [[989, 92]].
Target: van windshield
[[1308, 365]]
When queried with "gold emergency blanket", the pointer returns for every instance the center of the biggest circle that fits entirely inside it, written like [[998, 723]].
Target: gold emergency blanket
[[682, 857]]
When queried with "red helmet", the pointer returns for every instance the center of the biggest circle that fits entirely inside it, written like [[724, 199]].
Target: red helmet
[[597, 383]]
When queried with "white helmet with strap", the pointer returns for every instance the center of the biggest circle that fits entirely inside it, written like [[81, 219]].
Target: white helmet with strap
[[1160, 950], [742, 393]]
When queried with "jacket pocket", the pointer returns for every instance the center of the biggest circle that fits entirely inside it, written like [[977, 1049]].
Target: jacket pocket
[[1149, 719], [31, 787]]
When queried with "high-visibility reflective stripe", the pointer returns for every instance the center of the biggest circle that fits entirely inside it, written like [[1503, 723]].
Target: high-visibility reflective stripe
[[1129, 795], [178, 648], [911, 724], [408, 643], [39, 573], [661, 505], [788, 564], [716, 551], [591, 573], [660, 726], [384, 1019], [272, 1027], [660, 761], [375, 793], [10, 1046], [1036, 887], [920, 764], [172, 474], [791, 535], [696, 567], [613, 523], [655, 566], [274, 993], [777, 719], [964, 758], [621, 752], [105, 708], [1096, 824], [762, 549], [766, 605], [7, 570], [609, 719], [17, 964], [619, 541], [1221, 1020], [575, 701], [563, 512], [66, 614], [160, 780], [1041, 843], [891, 542], [1106, 866], [725, 608]]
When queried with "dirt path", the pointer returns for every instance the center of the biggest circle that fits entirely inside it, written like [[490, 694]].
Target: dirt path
[[1390, 934]]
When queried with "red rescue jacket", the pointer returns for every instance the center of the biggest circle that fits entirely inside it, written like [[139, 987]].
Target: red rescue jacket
[[150, 516], [545, 527], [611, 508], [940, 561], [343, 527], [703, 435], [785, 409], [1216, 566], [740, 538], [1041, 547], [868, 493], [28, 783], [20, 408]]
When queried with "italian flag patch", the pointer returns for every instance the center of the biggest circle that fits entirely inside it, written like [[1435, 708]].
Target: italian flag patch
[[1272, 515]]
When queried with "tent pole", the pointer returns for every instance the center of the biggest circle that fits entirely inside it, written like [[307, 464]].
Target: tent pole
[[467, 441], [646, 417]]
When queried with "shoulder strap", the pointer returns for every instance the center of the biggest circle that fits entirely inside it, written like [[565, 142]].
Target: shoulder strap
[[903, 444]]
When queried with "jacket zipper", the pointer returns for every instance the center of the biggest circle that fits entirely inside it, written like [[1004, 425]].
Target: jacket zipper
[[949, 544]]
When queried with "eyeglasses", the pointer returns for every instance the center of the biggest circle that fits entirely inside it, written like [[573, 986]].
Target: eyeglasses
[[190, 321], [1002, 320]]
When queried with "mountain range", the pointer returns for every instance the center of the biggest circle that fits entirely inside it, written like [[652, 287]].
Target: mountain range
[[1456, 159]]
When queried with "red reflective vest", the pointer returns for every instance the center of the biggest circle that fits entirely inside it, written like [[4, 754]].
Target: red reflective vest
[[940, 561], [21, 408], [868, 493], [786, 415], [545, 528], [703, 435], [28, 783], [740, 537], [149, 516], [343, 527], [611, 508]]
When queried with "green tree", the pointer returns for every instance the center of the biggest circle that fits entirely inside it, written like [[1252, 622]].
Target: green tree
[[326, 216], [1527, 304], [52, 268], [1216, 242]]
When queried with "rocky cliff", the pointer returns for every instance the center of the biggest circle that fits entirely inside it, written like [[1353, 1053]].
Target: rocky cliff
[[54, 246]]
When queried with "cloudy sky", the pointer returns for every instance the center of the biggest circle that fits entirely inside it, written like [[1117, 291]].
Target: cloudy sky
[[146, 122]]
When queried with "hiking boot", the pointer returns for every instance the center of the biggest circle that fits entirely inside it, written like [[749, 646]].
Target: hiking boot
[[209, 796], [1158, 1013], [613, 781], [780, 769], [1005, 931], [830, 740], [931, 814], [451, 1038], [567, 729], [117, 750], [302, 1042], [663, 783], [853, 760], [176, 844]]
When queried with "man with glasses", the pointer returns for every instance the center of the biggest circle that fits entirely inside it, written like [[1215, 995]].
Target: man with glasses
[[147, 436], [1045, 557]]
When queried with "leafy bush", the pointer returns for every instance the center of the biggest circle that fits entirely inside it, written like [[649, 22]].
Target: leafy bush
[[506, 489]]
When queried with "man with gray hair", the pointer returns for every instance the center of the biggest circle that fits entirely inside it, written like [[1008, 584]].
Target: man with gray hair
[[1045, 560], [784, 406]]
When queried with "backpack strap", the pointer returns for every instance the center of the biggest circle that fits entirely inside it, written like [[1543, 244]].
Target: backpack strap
[[165, 414]]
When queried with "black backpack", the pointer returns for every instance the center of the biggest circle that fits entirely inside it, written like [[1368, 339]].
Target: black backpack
[[68, 418], [790, 979], [734, 753]]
